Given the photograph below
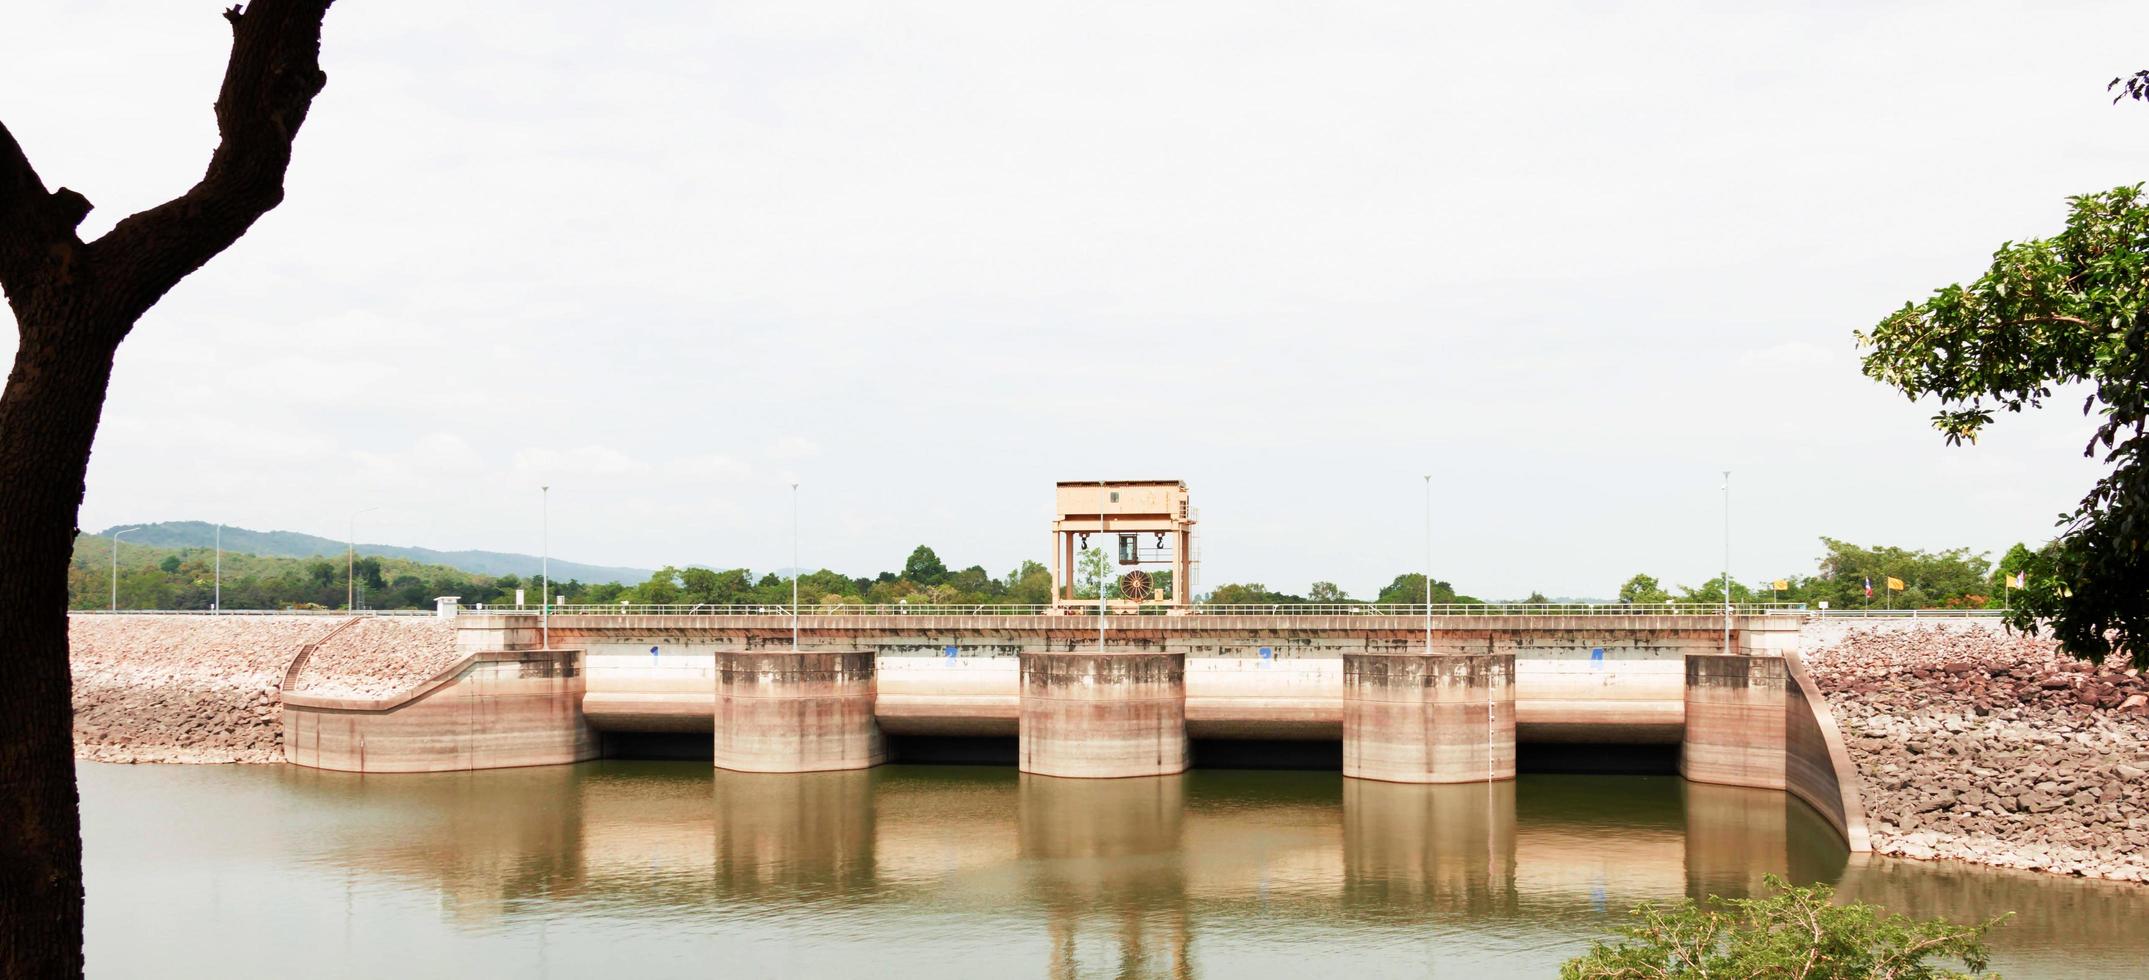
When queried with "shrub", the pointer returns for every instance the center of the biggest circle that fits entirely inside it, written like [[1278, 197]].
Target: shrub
[[1794, 933]]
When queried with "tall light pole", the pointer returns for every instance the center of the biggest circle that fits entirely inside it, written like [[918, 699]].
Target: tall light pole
[[544, 564], [1727, 563], [794, 566], [350, 559], [216, 604], [1104, 530], [1428, 564], [115, 565]]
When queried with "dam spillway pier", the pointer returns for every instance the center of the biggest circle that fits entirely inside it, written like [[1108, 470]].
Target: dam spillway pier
[[1102, 714], [1734, 721], [793, 711], [1429, 717]]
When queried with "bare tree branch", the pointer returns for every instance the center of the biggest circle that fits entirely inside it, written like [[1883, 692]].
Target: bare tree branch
[[35, 226], [269, 84], [2135, 86]]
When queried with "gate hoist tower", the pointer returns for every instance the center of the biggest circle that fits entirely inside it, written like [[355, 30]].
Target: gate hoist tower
[[1122, 513]]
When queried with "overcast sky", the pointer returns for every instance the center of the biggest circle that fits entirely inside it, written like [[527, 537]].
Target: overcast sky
[[1570, 259]]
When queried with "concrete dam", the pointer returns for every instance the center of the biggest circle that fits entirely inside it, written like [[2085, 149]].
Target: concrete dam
[[1408, 698]]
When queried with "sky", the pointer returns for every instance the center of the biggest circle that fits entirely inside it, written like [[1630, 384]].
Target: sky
[[1570, 260]]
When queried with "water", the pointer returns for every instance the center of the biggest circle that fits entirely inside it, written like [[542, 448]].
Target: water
[[645, 869]]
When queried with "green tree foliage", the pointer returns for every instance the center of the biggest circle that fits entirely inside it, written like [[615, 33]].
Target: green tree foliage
[[185, 578], [1795, 933], [924, 567], [1409, 587], [1327, 593], [2065, 310], [1955, 577], [1712, 592], [1642, 588], [1093, 570], [1249, 594], [1030, 584]]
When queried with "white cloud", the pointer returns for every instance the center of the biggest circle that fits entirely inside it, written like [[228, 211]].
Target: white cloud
[[926, 259]]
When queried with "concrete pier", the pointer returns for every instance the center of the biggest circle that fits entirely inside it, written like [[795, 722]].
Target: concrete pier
[[780, 711], [1103, 715], [1735, 720], [1439, 718]]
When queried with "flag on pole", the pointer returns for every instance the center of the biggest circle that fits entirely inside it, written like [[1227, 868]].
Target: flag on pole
[[2018, 580], [1895, 584], [1869, 586], [1780, 585]]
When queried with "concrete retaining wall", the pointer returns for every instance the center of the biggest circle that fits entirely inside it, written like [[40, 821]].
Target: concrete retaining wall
[[492, 710], [1817, 765], [1760, 722]]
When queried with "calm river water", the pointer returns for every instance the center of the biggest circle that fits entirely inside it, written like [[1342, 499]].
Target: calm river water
[[633, 869]]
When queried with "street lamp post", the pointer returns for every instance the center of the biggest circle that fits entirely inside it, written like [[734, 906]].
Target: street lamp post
[[544, 564], [794, 567], [350, 560], [1428, 564], [216, 603], [115, 565], [1104, 530], [1727, 563]]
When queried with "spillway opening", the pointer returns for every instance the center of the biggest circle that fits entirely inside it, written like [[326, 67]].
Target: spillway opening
[[1240, 753], [1612, 759], [957, 750], [1206, 753], [660, 746]]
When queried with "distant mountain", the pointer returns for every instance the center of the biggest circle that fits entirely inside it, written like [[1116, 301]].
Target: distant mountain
[[292, 544]]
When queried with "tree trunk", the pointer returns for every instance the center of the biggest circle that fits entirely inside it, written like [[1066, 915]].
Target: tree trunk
[[73, 304], [48, 417]]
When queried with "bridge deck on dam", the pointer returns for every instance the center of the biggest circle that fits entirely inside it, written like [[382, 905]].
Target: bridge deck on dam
[[1616, 678]]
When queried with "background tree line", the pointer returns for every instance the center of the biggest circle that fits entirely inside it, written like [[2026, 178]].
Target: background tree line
[[184, 578], [1956, 578]]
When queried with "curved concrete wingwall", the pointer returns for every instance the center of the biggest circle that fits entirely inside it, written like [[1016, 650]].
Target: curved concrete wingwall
[[491, 710], [1817, 766]]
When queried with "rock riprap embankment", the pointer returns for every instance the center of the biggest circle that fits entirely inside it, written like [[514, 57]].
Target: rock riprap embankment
[[206, 688], [379, 657], [1980, 745]]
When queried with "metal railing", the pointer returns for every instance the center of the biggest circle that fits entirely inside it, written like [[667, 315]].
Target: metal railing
[[1906, 613], [1204, 609], [255, 612]]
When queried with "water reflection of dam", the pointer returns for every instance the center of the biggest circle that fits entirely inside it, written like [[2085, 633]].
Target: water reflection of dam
[[685, 837], [1120, 874]]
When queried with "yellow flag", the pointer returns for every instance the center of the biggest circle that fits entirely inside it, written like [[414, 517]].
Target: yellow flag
[[1779, 585], [1896, 584], [2018, 580]]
